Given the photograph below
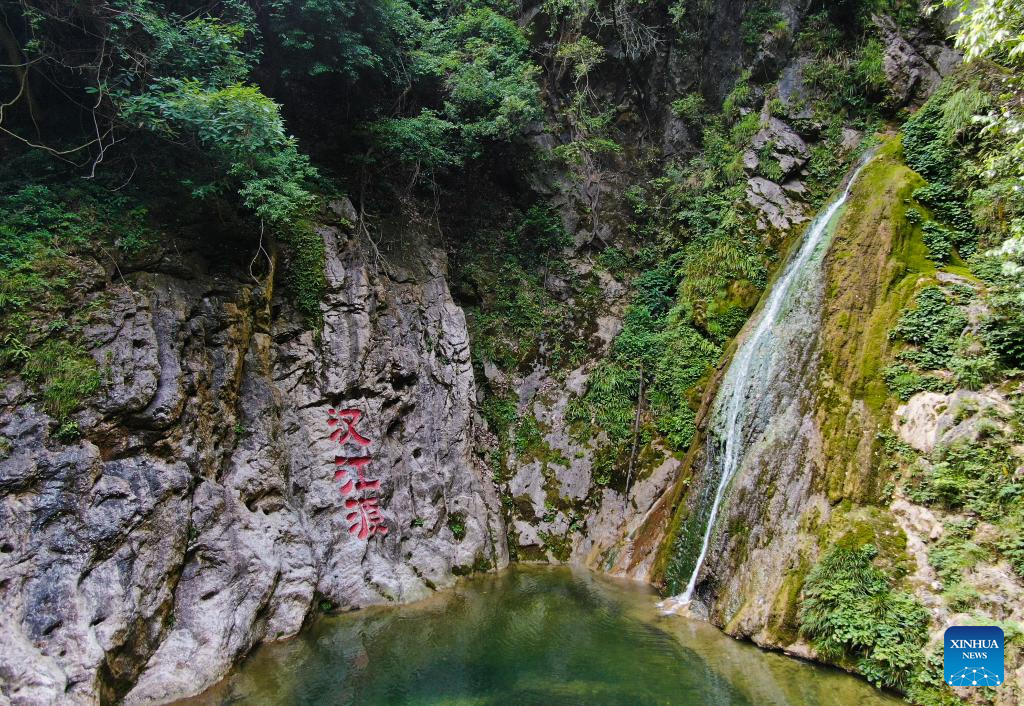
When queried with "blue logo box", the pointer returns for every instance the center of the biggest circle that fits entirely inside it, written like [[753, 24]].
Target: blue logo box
[[973, 656]]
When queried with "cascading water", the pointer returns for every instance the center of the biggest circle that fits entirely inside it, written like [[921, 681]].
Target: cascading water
[[754, 361]]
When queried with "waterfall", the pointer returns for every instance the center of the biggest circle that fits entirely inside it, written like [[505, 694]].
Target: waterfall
[[751, 362]]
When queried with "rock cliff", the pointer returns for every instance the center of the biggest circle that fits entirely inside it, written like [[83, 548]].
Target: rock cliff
[[200, 514]]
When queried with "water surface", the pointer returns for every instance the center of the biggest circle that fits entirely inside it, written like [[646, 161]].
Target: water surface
[[528, 635]]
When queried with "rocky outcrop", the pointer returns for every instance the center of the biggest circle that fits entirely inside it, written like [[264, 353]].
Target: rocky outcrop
[[199, 513], [774, 204], [915, 68], [931, 419]]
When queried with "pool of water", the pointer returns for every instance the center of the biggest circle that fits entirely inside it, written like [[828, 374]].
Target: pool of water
[[528, 635]]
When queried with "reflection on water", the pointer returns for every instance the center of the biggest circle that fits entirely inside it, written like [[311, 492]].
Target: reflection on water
[[529, 635]]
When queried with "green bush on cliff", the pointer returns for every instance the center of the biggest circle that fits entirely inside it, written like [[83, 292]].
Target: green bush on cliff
[[905, 383], [974, 476], [1004, 328], [513, 316], [851, 612], [933, 328], [953, 554], [659, 350], [1011, 544], [479, 59], [42, 307]]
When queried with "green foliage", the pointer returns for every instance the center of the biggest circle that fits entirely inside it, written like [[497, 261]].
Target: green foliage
[[41, 310], [869, 68], [739, 97], [975, 476], [305, 268], [65, 374], [241, 130], [529, 439], [974, 371], [1011, 544], [928, 687], [582, 54], [933, 327], [424, 139], [951, 556], [767, 165], [614, 260], [517, 317], [925, 147], [351, 39], [905, 383], [936, 328], [480, 61], [976, 199], [500, 412], [959, 111], [758, 20], [947, 203], [457, 525], [657, 346], [560, 546], [990, 28], [938, 240], [691, 108], [846, 71], [850, 611], [1004, 328]]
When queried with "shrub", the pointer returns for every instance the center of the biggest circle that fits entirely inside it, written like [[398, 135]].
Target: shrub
[[973, 476], [933, 327], [954, 552], [1011, 544], [905, 383], [973, 372], [758, 20], [690, 108], [65, 373], [849, 610], [938, 240], [457, 525]]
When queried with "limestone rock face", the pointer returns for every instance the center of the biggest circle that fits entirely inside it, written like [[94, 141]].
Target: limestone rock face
[[785, 145], [777, 209], [930, 419], [913, 69], [199, 512]]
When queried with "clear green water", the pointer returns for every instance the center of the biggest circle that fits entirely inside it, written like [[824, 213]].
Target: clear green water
[[529, 635]]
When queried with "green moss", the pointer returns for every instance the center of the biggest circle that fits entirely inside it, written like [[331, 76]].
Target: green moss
[[785, 615], [513, 318], [559, 546], [305, 271], [852, 526], [876, 264], [65, 373]]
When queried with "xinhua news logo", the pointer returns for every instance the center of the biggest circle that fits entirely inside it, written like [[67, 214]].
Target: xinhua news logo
[[973, 656]]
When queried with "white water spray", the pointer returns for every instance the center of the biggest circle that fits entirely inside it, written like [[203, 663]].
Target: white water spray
[[740, 371]]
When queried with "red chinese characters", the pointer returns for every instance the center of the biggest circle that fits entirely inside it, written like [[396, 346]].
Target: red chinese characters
[[349, 418], [360, 491]]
